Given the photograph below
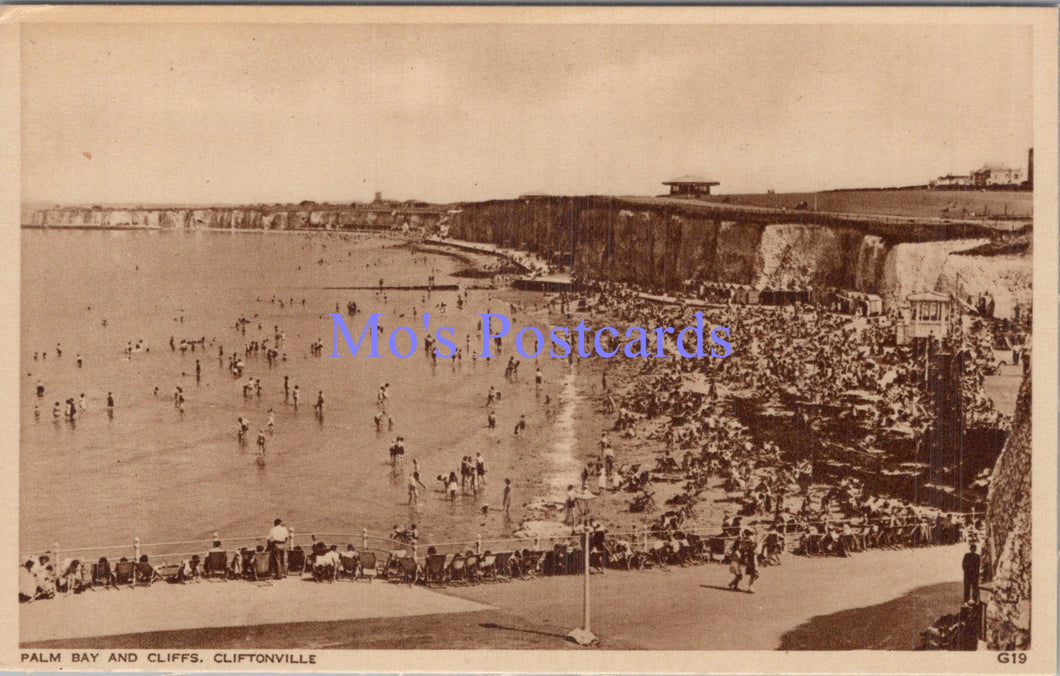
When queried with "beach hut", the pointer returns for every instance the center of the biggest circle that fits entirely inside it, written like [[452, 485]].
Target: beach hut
[[929, 317], [875, 304]]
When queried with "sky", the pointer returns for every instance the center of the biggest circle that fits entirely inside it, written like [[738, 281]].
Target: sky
[[259, 113]]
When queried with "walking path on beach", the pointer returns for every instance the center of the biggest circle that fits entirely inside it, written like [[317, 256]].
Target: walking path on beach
[[679, 609]]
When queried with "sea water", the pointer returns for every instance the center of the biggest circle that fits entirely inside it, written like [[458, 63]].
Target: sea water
[[155, 474]]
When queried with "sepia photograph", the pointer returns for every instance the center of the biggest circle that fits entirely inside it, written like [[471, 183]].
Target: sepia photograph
[[605, 333]]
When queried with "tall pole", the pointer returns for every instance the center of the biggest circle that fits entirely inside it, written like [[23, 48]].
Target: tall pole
[[582, 635]]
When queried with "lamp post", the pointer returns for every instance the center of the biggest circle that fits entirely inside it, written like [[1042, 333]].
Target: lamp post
[[583, 635]]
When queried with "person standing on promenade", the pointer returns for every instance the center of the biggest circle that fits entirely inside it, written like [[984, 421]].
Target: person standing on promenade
[[751, 567], [971, 565], [278, 537]]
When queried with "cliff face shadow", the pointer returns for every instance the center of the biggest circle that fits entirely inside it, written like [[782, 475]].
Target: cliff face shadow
[[894, 625]]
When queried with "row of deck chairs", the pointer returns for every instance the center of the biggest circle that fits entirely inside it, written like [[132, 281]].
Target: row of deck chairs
[[104, 574], [469, 568], [886, 537], [256, 566]]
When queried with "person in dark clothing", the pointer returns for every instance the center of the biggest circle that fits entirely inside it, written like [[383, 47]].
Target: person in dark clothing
[[971, 564]]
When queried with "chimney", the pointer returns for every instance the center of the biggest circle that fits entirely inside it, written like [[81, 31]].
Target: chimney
[[1030, 169]]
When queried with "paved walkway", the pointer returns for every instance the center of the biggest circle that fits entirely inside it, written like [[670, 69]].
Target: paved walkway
[[676, 609], [691, 608], [168, 607]]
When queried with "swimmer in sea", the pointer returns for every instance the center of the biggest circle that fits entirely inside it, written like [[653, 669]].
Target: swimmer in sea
[[480, 469], [451, 486]]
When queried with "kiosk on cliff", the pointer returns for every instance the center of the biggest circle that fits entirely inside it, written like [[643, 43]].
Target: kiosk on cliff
[[690, 186]]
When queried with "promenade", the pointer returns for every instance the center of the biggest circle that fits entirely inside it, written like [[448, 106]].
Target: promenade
[[881, 599], [219, 604]]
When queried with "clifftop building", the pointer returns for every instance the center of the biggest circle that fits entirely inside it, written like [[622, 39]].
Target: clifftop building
[[690, 186], [990, 177], [997, 175]]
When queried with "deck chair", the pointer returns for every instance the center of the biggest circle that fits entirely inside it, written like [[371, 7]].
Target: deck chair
[[216, 564], [146, 574], [296, 561], [717, 548], [597, 560], [369, 568], [534, 564], [559, 560], [503, 567], [471, 565], [434, 569], [410, 571], [458, 569], [261, 571], [325, 573], [102, 575], [191, 570], [168, 571], [125, 574], [350, 564], [247, 563], [657, 555], [487, 567], [699, 551], [82, 578]]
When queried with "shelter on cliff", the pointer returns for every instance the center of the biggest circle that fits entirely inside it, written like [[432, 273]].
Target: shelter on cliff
[[690, 186]]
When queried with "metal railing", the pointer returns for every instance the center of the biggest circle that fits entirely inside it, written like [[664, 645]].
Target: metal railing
[[164, 552]]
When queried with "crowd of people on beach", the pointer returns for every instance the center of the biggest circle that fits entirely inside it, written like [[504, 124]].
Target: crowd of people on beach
[[787, 356]]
